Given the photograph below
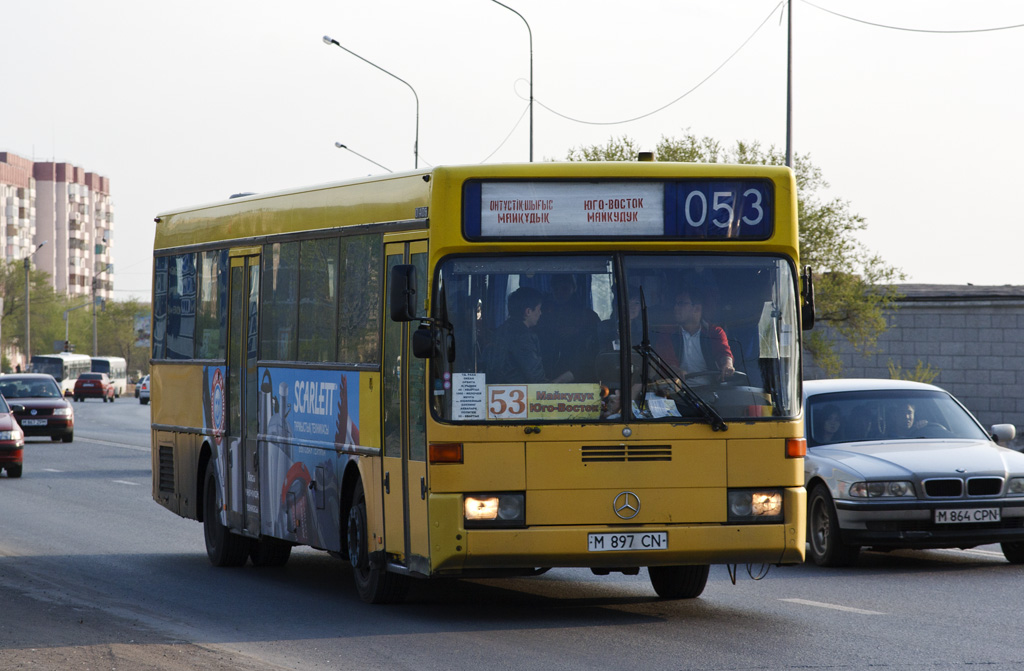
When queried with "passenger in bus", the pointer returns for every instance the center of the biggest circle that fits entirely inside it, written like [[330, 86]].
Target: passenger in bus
[[695, 348], [514, 355], [569, 330]]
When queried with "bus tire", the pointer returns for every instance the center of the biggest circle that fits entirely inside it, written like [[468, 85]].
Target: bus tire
[[270, 552], [373, 582], [679, 582], [222, 547], [824, 538]]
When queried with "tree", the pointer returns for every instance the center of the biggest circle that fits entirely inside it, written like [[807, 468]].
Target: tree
[[853, 286]]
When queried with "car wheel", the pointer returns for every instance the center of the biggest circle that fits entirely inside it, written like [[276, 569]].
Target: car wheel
[[67, 437], [143, 401], [222, 547], [13, 470], [270, 552], [679, 582], [1014, 552], [823, 534], [55, 438], [373, 582]]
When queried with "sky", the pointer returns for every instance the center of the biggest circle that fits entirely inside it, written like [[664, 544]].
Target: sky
[[914, 122]]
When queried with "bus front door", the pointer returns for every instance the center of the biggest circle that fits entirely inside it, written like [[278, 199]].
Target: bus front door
[[404, 421], [242, 467]]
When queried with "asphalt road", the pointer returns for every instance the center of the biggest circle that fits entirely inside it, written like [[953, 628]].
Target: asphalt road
[[94, 574]]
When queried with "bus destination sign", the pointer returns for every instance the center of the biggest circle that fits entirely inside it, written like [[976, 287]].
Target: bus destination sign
[[703, 209]]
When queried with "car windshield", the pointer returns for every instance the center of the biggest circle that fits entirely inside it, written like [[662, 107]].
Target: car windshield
[[891, 414], [26, 388], [546, 338]]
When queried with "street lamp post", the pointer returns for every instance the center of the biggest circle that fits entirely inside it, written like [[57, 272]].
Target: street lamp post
[[95, 283], [365, 158], [416, 144], [28, 330], [530, 32]]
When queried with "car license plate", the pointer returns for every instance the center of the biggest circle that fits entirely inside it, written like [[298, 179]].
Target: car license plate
[[967, 515], [33, 422], [654, 540]]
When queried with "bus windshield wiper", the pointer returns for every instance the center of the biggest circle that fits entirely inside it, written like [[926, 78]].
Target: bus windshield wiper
[[652, 360]]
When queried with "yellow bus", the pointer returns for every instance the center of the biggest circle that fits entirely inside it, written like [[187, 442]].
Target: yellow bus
[[488, 371]]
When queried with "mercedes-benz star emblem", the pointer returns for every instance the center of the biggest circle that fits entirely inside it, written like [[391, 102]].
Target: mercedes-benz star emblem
[[626, 505]]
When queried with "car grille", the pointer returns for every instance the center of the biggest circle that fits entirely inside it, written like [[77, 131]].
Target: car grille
[[954, 487], [41, 412]]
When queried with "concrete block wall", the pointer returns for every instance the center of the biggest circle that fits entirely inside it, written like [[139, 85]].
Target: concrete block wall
[[973, 336]]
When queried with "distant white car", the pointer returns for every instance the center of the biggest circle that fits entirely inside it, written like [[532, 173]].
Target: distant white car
[[142, 390], [897, 464]]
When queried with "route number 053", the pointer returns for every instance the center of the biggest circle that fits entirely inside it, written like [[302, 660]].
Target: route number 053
[[506, 402]]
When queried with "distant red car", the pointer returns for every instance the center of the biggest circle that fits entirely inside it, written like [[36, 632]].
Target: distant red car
[[12, 442], [94, 385]]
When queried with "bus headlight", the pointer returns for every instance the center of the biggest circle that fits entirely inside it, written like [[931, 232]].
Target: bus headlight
[[506, 509], [755, 505]]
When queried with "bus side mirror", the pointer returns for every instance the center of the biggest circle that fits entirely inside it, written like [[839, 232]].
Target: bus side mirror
[[807, 305], [426, 342], [402, 298]]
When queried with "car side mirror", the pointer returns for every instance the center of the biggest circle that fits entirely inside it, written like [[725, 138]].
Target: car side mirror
[[1003, 434], [17, 408]]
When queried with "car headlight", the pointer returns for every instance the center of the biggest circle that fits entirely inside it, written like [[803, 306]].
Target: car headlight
[[888, 488], [11, 435], [1015, 486], [63, 412], [507, 509], [755, 505]]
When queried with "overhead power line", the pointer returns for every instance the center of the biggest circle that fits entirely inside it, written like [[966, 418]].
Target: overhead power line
[[912, 30]]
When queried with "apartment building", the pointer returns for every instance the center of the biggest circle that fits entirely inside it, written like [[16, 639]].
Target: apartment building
[[66, 210]]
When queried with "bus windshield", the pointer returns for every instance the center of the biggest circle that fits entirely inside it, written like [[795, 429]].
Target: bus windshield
[[616, 337], [54, 367]]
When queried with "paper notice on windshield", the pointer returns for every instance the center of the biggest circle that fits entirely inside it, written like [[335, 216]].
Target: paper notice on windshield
[[468, 396]]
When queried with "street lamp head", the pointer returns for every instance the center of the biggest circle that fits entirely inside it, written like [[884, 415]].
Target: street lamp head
[[340, 145], [328, 41]]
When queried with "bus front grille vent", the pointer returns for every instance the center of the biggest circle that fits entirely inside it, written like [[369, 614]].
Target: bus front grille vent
[[596, 453], [167, 468]]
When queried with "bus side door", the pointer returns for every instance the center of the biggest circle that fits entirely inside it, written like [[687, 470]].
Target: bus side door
[[404, 422], [242, 472]]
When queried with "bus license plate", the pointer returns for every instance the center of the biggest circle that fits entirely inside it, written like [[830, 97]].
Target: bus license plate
[[33, 422], [656, 540], [967, 515]]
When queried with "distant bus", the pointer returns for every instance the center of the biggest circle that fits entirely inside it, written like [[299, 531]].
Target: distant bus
[[65, 368], [116, 369]]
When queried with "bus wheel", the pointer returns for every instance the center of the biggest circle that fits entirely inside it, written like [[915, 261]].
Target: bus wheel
[[679, 582], [222, 547], [374, 583], [823, 534], [270, 552]]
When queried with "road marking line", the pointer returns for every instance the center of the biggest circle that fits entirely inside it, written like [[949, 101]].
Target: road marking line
[[818, 604], [52, 470], [125, 482], [112, 444]]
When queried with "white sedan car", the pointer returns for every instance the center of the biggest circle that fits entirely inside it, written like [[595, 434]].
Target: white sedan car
[[896, 464]]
